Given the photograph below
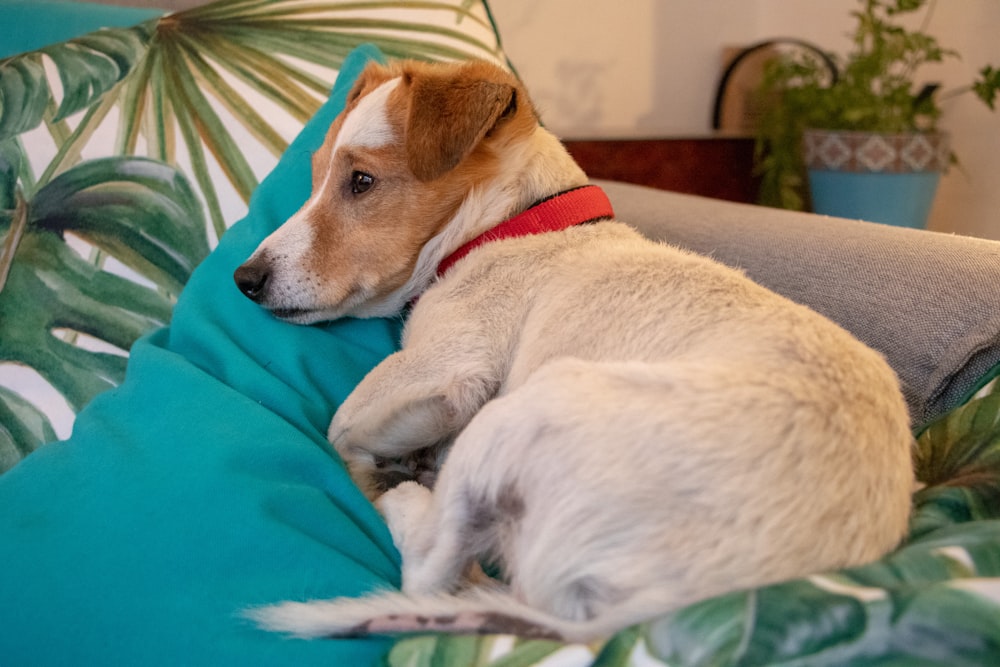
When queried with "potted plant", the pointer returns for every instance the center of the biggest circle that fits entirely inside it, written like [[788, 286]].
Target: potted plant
[[864, 130]]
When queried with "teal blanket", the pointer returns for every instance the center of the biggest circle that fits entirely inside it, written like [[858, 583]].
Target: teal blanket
[[204, 484]]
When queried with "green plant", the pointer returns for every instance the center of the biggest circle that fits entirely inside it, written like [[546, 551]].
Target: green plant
[[874, 89]]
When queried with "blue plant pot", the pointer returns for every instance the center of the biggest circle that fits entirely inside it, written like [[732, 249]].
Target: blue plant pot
[[895, 199], [887, 178]]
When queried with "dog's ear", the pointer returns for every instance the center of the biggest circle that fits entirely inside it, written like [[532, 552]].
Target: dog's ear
[[372, 73], [450, 114]]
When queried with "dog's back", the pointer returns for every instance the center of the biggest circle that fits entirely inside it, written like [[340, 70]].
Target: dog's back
[[669, 429]]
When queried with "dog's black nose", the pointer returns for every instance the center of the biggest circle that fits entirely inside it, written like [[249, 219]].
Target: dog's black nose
[[252, 280]]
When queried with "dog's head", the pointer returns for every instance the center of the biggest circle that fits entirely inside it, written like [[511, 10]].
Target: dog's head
[[411, 144]]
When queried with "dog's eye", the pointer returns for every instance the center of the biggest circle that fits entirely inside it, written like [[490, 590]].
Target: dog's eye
[[361, 182]]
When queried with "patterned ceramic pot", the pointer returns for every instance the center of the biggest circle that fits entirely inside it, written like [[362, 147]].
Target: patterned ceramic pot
[[889, 178]]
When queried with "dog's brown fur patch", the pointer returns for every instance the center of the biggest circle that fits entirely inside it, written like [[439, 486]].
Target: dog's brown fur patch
[[381, 232]]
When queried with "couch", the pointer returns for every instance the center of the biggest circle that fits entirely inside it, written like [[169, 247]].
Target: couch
[[196, 481]]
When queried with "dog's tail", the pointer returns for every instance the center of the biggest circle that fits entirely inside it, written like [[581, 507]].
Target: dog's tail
[[477, 610]]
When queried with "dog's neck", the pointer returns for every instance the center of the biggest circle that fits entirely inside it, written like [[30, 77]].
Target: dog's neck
[[576, 206], [529, 171]]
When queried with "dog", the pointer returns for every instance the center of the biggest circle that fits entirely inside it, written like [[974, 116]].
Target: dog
[[630, 427]]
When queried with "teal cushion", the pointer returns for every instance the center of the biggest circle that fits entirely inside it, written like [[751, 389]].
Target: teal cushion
[[204, 484], [33, 24]]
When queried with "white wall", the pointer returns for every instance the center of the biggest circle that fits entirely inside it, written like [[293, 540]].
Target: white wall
[[623, 68], [649, 68]]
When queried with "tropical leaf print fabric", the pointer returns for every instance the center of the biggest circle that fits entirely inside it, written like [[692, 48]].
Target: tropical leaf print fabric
[[126, 153]]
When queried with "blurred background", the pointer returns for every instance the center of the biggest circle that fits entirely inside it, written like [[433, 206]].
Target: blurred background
[[649, 68]]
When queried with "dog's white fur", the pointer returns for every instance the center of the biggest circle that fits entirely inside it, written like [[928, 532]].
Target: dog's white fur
[[635, 427]]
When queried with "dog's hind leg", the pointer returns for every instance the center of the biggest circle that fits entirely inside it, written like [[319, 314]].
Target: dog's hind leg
[[439, 547]]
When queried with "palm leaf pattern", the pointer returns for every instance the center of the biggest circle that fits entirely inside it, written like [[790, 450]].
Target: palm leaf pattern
[[935, 600], [158, 136]]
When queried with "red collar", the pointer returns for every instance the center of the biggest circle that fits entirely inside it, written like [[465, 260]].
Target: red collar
[[587, 203]]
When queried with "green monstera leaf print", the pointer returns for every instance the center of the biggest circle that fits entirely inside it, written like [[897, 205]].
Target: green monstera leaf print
[[201, 79], [138, 211], [155, 137]]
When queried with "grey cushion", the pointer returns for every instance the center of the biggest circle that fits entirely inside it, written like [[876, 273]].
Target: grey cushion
[[929, 302]]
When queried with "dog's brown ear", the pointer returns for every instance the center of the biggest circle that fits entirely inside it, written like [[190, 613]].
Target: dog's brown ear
[[449, 115], [372, 72]]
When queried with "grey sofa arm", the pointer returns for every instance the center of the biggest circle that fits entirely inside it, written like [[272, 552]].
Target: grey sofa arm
[[929, 302]]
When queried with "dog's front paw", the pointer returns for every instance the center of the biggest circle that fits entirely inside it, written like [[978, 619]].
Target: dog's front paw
[[364, 466], [339, 432], [383, 449], [393, 427]]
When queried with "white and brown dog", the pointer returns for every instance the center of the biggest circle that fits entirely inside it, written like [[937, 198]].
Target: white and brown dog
[[633, 427]]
